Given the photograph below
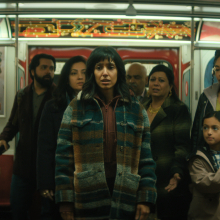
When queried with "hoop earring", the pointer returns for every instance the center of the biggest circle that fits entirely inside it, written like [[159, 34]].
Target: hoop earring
[[170, 93]]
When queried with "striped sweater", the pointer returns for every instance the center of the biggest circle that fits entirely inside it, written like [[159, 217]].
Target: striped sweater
[[80, 172]]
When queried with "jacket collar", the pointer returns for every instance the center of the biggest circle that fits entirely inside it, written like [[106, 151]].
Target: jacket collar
[[28, 101], [201, 154], [211, 93], [161, 113], [51, 89], [89, 97]]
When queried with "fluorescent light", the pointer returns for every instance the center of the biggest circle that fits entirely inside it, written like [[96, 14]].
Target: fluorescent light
[[209, 19], [208, 42], [107, 17], [75, 6], [104, 40], [1, 39]]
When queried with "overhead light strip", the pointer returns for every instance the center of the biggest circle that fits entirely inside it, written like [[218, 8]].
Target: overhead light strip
[[209, 42], [104, 40], [107, 17], [209, 19]]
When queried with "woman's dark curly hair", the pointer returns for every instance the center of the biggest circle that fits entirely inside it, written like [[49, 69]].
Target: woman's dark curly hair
[[63, 86], [90, 88]]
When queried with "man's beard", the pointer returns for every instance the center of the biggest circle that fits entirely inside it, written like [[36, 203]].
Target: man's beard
[[45, 81]]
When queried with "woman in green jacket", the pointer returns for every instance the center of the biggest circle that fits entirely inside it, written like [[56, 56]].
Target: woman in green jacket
[[170, 143], [104, 167]]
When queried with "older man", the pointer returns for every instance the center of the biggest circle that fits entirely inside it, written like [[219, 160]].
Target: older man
[[136, 77]]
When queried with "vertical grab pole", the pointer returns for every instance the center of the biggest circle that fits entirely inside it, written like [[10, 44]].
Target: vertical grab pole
[[16, 46], [192, 60]]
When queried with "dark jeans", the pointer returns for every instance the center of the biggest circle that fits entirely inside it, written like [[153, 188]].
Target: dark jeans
[[49, 210], [22, 191], [21, 198]]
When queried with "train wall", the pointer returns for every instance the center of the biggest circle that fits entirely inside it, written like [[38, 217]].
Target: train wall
[[10, 90]]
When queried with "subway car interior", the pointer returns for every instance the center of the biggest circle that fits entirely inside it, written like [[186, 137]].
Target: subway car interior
[[182, 35]]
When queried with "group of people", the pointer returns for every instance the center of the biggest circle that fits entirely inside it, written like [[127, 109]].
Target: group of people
[[99, 145]]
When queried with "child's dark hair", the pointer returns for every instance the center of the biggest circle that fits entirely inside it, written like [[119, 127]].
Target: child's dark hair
[[215, 114], [205, 147]]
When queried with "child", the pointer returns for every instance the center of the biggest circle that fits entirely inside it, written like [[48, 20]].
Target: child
[[205, 173]]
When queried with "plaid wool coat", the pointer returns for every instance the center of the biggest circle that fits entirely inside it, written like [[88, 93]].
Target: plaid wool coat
[[80, 172], [170, 145]]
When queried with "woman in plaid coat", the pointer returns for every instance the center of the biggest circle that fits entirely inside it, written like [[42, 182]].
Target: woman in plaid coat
[[170, 123], [104, 167]]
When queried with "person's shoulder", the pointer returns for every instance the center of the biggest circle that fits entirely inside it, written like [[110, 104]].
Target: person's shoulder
[[134, 99], [24, 91], [75, 102], [50, 104], [214, 86], [135, 103], [178, 104], [201, 154], [52, 87]]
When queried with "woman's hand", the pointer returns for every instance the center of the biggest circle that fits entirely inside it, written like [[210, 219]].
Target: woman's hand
[[67, 215], [142, 212], [173, 182], [47, 194]]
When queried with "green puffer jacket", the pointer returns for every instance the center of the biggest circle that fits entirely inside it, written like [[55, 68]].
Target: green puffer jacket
[[80, 172]]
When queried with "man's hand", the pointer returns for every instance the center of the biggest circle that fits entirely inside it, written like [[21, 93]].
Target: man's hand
[[142, 212], [173, 182], [47, 194], [67, 215]]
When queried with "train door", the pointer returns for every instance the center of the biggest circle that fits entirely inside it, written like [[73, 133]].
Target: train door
[[148, 56]]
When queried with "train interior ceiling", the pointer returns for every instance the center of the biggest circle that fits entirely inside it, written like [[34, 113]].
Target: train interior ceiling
[[181, 35]]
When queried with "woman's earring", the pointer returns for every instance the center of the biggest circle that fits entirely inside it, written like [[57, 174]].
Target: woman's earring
[[170, 93], [148, 93], [213, 71]]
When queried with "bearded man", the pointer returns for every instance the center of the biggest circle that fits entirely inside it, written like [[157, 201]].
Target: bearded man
[[24, 118]]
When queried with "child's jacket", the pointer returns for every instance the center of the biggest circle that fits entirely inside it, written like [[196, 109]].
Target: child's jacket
[[206, 188]]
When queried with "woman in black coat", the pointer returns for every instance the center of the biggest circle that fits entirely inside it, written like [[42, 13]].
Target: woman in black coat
[[170, 124], [71, 80]]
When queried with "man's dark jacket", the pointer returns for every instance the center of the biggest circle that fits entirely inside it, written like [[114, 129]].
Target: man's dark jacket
[[21, 120]]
